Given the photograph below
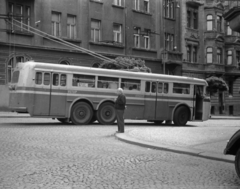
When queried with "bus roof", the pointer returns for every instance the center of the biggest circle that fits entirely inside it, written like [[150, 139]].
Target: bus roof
[[107, 72]]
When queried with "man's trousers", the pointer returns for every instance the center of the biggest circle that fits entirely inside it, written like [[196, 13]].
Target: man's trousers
[[120, 120]]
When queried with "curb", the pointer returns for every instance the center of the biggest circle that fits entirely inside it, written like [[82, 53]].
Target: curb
[[176, 149]]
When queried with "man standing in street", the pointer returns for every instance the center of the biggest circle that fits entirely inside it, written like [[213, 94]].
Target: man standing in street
[[120, 107]]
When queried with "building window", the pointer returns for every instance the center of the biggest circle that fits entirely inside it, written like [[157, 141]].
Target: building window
[[146, 5], [147, 39], [56, 24], [188, 19], [71, 27], [117, 33], [118, 2], [195, 20], [238, 57], [95, 30], [137, 4], [229, 57], [209, 55], [22, 15], [136, 37], [189, 52], [192, 18], [219, 23], [169, 9], [169, 41], [229, 30], [195, 54], [219, 56], [209, 22]]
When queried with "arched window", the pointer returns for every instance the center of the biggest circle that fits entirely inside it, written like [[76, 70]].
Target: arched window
[[219, 56], [209, 22], [209, 55], [12, 64], [229, 30], [229, 57], [219, 23]]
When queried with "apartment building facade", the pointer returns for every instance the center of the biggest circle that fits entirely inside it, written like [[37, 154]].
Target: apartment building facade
[[134, 28], [211, 48]]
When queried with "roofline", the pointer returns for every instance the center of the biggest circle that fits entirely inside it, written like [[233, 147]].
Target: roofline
[[102, 71]]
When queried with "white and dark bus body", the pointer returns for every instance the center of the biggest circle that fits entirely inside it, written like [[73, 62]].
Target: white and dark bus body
[[82, 95]]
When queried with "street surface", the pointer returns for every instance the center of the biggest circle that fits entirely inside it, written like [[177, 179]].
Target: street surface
[[44, 154]]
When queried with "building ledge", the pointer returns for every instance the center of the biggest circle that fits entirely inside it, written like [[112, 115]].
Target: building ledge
[[18, 32], [109, 44], [117, 6], [146, 50], [142, 12]]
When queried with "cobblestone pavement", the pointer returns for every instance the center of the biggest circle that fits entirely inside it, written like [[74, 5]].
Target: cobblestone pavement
[[43, 154]]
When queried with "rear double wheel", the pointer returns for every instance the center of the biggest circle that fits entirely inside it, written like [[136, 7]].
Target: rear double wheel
[[181, 116], [106, 114], [81, 113]]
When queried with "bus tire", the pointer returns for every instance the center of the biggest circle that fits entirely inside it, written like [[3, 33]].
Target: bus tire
[[181, 116], [81, 113], [106, 114]]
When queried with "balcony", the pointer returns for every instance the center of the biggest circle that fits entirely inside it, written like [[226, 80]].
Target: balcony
[[232, 70], [231, 39], [216, 68], [172, 57]]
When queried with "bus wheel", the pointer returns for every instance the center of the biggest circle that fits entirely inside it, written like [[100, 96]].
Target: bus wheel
[[81, 113], [106, 114], [181, 116]]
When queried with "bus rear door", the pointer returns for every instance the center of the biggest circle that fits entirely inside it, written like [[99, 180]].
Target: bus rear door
[[58, 95], [50, 94], [42, 90]]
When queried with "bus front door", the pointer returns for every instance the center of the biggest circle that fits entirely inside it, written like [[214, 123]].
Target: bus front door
[[198, 92], [161, 102]]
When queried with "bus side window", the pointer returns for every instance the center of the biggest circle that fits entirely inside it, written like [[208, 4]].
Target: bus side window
[[38, 78], [107, 82], [181, 88], [153, 87], [80, 80], [46, 79], [131, 84], [55, 79], [165, 88], [63, 80], [147, 86], [160, 85]]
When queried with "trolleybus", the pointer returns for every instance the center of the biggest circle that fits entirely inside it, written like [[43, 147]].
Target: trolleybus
[[82, 95]]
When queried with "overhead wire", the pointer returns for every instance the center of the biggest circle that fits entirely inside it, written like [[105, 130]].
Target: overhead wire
[[57, 40]]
